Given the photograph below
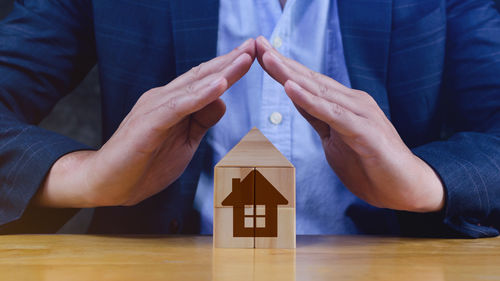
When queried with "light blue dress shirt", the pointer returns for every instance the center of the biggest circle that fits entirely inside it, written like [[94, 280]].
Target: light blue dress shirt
[[307, 31]]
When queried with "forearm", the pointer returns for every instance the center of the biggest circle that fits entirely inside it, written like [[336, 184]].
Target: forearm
[[65, 185], [27, 153]]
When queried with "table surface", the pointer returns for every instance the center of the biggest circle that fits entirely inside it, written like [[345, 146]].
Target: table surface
[[86, 257]]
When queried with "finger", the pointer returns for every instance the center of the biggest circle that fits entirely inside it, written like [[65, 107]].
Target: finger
[[205, 118], [219, 63], [315, 80], [198, 94], [319, 126], [195, 96], [339, 118], [282, 73], [213, 66], [270, 65], [275, 64], [237, 69], [263, 46], [200, 122]]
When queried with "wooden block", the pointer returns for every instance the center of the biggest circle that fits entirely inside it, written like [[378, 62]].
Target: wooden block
[[254, 196], [224, 231], [254, 150], [275, 198], [286, 232], [233, 204], [223, 183], [283, 180]]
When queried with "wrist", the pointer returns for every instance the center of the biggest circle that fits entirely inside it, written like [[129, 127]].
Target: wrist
[[429, 195], [66, 185]]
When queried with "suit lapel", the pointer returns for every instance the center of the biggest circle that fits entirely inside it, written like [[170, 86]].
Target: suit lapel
[[366, 33], [195, 27]]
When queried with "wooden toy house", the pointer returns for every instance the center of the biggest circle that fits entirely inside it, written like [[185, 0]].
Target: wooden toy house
[[254, 196]]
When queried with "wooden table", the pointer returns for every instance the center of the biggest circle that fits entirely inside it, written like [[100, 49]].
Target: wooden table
[[85, 257]]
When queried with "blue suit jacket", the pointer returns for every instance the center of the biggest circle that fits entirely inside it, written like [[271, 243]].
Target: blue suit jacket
[[432, 66]]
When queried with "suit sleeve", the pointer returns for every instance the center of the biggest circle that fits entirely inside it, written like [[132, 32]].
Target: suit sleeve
[[46, 49], [468, 162]]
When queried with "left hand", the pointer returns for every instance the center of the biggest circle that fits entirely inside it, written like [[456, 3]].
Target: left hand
[[360, 143]]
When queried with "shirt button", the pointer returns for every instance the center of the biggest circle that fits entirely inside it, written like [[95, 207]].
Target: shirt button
[[276, 118], [277, 42]]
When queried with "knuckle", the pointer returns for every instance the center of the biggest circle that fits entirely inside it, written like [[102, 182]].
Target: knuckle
[[190, 88], [301, 79], [359, 92], [152, 91], [313, 74], [364, 96], [369, 99], [172, 107], [324, 91], [195, 71], [337, 109], [147, 95], [201, 67], [372, 103], [171, 103]]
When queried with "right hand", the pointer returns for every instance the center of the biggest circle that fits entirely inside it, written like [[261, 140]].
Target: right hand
[[153, 144]]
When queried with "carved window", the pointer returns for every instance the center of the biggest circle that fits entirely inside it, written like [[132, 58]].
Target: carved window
[[255, 214]]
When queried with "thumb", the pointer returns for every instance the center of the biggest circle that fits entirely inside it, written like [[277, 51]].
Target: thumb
[[205, 118]]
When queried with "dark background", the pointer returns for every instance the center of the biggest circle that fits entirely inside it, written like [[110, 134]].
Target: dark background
[[78, 115]]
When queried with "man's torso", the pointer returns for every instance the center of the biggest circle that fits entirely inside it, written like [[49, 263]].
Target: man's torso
[[145, 44]]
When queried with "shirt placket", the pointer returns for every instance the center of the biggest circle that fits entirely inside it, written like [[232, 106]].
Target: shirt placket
[[276, 107]]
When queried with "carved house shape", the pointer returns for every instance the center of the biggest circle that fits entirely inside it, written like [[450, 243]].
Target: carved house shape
[[254, 196], [255, 206]]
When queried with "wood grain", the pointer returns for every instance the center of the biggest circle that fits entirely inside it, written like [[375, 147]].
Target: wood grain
[[223, 182], [223, 231], [283, 179], [254, 150], [254, 172], [85, 257], [286, 232]]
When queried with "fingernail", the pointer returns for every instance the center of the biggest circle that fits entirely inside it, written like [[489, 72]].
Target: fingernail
[[244, 45], [239, 58], [264, 42], [275, 56]]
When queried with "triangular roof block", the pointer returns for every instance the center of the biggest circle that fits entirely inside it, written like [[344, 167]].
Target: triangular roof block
[[254, 150]]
